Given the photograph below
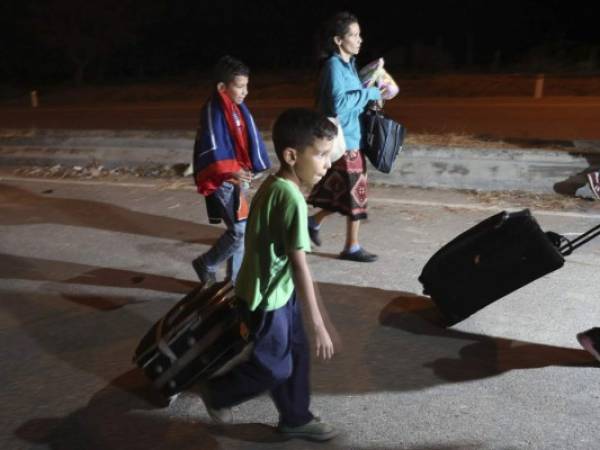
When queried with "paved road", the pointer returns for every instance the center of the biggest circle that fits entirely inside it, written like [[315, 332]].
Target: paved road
[[85, 268], [559, 118]]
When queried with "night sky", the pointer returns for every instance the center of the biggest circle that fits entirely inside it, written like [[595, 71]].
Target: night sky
[[55, 41]]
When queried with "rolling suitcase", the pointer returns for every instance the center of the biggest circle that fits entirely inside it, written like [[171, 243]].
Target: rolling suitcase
[[492, 259], [200, 336]]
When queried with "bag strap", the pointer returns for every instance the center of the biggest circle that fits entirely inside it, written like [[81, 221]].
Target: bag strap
[[570, 245]]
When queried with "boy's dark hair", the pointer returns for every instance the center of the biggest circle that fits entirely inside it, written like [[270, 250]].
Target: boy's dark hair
[[227, 68], [297, 128], [337, 25]]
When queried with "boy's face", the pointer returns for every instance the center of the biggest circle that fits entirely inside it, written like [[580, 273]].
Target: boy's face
[[312, 163], [236, 90]]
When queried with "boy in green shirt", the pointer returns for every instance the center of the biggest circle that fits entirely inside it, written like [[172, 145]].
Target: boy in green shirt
[[274, 273]]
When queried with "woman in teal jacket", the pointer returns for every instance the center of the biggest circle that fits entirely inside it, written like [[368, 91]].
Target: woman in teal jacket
[[341, 94]]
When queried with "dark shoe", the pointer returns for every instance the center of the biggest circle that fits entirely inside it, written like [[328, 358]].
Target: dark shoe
[[360, 255], [220, 416], [207, 278], [314, 236], [315, 430], [590, 340]]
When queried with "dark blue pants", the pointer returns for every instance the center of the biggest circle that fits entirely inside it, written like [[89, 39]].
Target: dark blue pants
[[280, 365]]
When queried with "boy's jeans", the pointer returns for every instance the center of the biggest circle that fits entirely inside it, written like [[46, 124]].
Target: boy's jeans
[[230, 246]]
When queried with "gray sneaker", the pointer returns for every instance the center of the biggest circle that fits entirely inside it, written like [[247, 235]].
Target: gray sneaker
[[315, 430]]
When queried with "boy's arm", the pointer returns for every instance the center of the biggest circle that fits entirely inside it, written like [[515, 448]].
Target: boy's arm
[[306, 291], [242, 175]]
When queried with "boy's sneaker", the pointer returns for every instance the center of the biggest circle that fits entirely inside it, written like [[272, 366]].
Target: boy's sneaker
[[207, 278], [220, 416], [590, 340], [315, 430], [594, 182]]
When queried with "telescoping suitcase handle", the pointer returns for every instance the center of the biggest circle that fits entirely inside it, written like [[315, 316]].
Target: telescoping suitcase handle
[[568, 246]]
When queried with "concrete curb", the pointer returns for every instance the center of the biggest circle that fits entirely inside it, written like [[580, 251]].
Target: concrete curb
[[532, 170]]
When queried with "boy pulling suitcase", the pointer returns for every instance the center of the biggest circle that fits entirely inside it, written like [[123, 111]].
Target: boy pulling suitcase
[[274, 279]]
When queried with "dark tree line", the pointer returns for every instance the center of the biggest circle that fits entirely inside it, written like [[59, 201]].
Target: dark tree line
[[98, 40]]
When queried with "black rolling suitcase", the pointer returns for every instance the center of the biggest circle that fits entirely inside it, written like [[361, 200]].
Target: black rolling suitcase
[[492, 259], [204, 333]]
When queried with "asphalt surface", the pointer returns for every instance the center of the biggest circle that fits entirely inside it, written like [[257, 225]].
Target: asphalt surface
[[87, 267]]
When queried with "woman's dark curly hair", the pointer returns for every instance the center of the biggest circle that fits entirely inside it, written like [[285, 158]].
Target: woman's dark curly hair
[[338, 25]]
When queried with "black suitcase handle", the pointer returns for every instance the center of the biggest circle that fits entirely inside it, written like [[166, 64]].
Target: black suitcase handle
[[570, 245]]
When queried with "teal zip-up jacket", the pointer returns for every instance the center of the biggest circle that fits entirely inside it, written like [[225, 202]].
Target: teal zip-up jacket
[[341, 94]]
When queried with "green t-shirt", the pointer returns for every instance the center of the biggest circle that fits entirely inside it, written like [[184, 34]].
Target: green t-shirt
[[277, 224]]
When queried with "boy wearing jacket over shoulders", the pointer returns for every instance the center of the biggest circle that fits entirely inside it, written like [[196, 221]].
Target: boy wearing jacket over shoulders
[[227, 152]]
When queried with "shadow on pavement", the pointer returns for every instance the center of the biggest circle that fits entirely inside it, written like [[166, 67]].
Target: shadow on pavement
[[392, 342], [24, 207], [249, 432], [38, 269], [124, 416], [413, 350], [483, 356], [119, 416], [326, 255]]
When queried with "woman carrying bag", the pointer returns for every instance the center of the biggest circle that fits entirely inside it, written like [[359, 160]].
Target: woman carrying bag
[[341, 94]]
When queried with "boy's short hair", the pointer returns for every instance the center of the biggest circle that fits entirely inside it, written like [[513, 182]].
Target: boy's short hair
[[227, 68], [297, 128]]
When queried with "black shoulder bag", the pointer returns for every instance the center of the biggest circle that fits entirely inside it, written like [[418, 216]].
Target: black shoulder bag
[[384, 138]]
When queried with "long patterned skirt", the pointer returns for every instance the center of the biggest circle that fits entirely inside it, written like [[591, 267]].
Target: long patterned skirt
[[343, 189]]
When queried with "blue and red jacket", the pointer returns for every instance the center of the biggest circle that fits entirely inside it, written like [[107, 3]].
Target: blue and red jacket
[[214, 150]]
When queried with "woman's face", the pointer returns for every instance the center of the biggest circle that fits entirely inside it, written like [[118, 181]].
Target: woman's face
[[349, 44]]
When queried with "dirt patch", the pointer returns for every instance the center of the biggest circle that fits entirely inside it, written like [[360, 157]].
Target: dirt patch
[[535, 201], [464, 140], [98, 172]]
